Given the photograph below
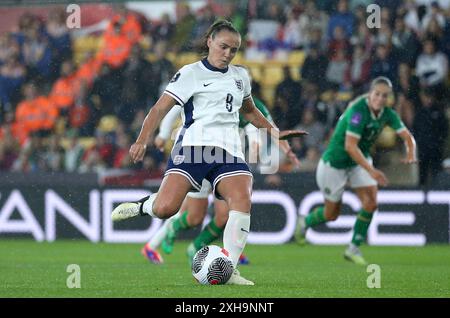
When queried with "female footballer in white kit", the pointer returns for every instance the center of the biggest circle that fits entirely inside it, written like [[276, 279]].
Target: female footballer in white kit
[[212, 93]]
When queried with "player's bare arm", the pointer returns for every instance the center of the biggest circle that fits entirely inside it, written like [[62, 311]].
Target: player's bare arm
[[254, 115], [410, 145], [151, 122], [351, 146]]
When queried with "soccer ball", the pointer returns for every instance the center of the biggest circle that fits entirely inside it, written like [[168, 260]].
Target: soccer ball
[[212, 265]]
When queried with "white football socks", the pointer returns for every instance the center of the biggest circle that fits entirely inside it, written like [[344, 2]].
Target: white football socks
[[235, 234], [159, 236], [147, 206]]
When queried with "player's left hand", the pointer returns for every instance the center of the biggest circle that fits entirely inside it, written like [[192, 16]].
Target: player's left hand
[[288, 134]]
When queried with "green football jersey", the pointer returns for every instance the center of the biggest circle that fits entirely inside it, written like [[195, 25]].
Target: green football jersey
[[262, 108], [359, 121]]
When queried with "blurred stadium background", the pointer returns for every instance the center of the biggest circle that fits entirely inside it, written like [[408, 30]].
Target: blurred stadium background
[[72, 101]]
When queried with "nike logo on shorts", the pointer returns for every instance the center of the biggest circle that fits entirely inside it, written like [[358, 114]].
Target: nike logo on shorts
[[244, 230], [204, 85]]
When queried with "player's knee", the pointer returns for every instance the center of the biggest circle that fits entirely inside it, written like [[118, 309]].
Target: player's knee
[[370, 206], [240, 202]]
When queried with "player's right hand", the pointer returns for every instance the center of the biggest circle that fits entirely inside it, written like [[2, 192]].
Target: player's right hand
[[137, 151], [380, 177], [159, 143]]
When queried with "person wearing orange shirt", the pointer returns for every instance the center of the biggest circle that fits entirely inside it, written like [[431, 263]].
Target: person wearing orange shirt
[[34, 113], [65, 89]]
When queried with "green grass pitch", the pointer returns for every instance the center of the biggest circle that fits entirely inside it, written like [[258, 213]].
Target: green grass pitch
[[30, 269]]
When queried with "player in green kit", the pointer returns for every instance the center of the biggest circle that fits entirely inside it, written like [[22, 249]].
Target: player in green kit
[[194, 208], [347, 161]]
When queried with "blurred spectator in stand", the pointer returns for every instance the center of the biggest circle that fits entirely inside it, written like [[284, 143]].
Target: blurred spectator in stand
[[163, 69], [53, 154], [31, 156], [184, 25], [59, 40], [121, 156], [292, 36], [343, 18], [116, 46], [8, 47], [312, 20], [92, 162], [100, 155], [405, 43], [384, 63], [136, 124], [359, 13], [138, 75], [315, 129], [314, 67], [236, 13], [430, 131], [411, 17], [34, 113], [80, 116], [407, 88], [105, 91], [164, 30], [328, 110], [337, 43], [435, 32], [12, 75], [433, 13], [288, 93], [384, 35], [88, 69], [9, 147], [432, 69], [359, 70], [338, 69], [311, 159], [73, 153], [130, 25], [65, 89], [204, 18], [363, 36], [37, 54]]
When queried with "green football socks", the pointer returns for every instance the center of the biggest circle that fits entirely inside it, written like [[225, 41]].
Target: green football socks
[[362, 223], [316, 217], [210, 233]]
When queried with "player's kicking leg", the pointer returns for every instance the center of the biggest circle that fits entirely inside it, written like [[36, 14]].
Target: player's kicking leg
[[163, 204]]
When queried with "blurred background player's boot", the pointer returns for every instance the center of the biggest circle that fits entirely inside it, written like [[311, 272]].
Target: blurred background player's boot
[[152, 254], [353, 254], [243, 260], [128, 210], [191, 250], [169, 239], [300, 230]]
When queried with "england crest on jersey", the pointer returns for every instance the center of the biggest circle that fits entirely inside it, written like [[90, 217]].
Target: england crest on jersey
[[239, 84]]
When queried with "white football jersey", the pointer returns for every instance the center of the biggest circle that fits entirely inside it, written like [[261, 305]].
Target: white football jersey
[[211, 99]]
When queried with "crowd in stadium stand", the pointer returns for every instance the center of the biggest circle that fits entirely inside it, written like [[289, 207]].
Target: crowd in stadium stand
[[49, 103]]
